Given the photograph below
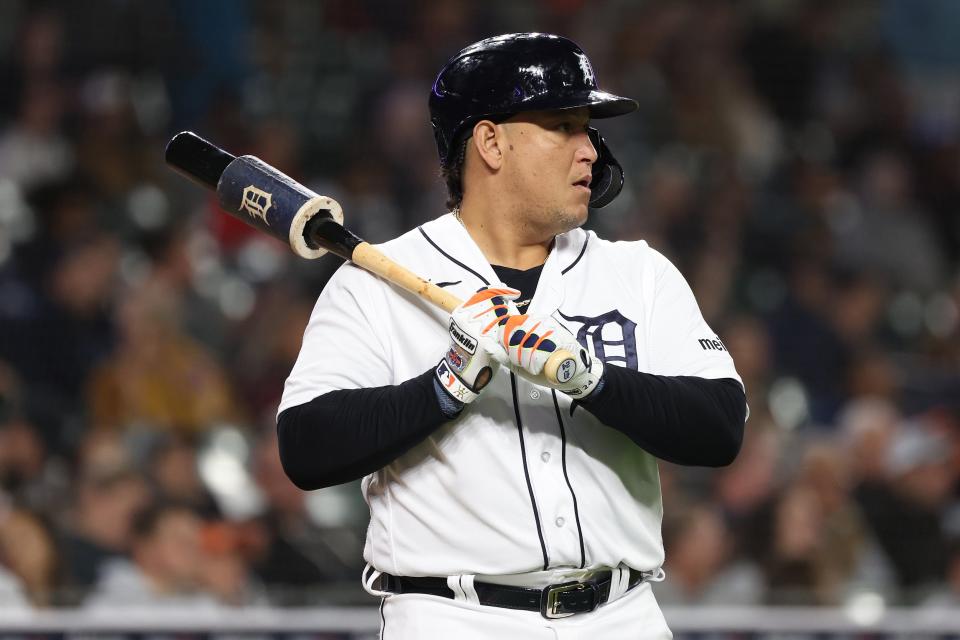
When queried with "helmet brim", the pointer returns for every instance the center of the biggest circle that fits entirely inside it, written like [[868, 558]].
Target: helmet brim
[[608, 105], [600, 103]]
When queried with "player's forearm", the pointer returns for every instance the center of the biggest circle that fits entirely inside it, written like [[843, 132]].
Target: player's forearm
[[681, 419], [344, 435]]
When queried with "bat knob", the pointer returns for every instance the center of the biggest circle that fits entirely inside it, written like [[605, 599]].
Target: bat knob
[[196, 158]]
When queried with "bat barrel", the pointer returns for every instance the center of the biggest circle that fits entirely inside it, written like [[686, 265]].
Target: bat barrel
[[275, 203], [259, 195]]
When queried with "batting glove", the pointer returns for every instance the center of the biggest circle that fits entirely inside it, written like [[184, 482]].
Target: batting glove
[[475, 352], [531, 340]]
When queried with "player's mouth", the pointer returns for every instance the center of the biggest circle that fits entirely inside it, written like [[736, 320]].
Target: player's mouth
[[583, 183]]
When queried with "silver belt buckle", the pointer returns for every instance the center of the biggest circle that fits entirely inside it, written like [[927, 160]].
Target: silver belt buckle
[[550, 604]]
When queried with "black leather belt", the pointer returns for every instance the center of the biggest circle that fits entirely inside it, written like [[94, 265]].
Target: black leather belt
[[553, 601]]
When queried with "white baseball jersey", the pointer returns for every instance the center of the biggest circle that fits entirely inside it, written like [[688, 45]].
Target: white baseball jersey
[[517, 483]]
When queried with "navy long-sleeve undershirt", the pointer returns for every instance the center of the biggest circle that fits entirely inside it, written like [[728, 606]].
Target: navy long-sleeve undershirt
[[346, 434], [681, 419]]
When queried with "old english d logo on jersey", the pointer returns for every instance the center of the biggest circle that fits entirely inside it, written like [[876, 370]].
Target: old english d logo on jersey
[[462, 339], [256, 202], [613, 337]]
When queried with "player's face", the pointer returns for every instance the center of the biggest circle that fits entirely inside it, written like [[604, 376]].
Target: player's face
[[549, 158]]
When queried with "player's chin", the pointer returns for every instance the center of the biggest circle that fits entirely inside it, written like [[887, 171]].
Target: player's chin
[[573, 217], [581, 209]]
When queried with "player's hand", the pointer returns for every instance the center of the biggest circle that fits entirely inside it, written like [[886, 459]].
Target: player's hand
[[476, 353], [531, 340]]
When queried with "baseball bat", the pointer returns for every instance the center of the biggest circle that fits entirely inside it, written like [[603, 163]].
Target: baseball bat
[[261, 196]]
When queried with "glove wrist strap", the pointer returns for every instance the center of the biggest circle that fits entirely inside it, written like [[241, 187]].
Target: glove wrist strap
[[453, 385], [583, 385]]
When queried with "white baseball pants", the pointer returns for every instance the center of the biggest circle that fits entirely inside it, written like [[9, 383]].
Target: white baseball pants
[[413, 616]]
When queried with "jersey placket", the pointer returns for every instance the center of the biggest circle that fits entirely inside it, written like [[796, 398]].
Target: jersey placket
[[554, 500]]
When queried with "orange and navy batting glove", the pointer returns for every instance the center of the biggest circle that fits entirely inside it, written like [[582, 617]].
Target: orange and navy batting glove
[[475, 353], [531, 340]]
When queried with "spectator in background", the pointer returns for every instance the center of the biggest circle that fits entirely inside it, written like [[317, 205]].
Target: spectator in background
[[172, 269], [700, 565], [745, 488], [110, 146], [298, 557], [165, 566], [748, 341], [173, 471], [28, 549], [23, 458], [158, 377], [12, 596], [54, 340], [805, 342], [33, 149], [907, 512], [867, 426], [887, 233], [66, 211], [36, 54], [789, 559], [226, 573], [947, 596], [99, 526], [847, 558], [270, 347]]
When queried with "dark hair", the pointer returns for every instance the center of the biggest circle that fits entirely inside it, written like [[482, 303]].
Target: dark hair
[[148, 519], [453, 177]]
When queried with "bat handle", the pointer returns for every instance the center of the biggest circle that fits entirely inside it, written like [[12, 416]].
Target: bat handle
[[559, 367], [366, 256]]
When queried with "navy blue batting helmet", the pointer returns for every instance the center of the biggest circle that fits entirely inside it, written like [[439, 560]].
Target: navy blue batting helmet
[[501, 76]]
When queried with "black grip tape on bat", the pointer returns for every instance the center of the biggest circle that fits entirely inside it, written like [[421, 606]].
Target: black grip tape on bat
[[259, 195]]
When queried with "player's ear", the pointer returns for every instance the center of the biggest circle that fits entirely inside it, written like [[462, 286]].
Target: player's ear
[[487, 139]]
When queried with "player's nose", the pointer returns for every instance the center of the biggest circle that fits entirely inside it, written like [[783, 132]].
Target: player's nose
[[586, 152]]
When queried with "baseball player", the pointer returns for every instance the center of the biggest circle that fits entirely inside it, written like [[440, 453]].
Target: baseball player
[[503, 505]]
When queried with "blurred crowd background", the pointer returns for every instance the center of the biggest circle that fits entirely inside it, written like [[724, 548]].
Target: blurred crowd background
[[798, 160]]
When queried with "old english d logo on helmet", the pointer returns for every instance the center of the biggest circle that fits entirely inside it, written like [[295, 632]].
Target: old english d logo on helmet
[[500, 76]]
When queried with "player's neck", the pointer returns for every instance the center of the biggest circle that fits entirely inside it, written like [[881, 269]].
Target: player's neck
[[501, 241]]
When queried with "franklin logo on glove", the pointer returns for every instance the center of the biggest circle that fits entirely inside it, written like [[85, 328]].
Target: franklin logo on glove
[[460, 336]]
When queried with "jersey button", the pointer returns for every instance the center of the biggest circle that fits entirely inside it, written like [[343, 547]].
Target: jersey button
[[545, 456], [559, 521], [535, 394]]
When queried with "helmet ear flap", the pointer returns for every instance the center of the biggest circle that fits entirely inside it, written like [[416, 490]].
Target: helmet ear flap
[[607, 180]]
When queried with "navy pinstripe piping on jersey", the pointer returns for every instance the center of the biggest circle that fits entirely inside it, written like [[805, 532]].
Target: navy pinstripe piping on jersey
[[563, 458], [451, 258], [526, 471], [383, 621], [582, 251]]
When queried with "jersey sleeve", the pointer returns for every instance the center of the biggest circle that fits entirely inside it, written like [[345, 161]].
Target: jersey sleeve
[[679, 341], [343, 348]]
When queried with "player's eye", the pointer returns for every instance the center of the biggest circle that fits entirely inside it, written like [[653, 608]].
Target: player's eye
[[569, 126]]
